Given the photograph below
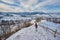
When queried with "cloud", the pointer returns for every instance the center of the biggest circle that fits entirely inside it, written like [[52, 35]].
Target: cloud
[[29, 5]]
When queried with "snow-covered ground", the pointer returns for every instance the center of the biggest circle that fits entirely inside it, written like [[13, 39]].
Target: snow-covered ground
[[30, 33], [10, 18], [14, 17]]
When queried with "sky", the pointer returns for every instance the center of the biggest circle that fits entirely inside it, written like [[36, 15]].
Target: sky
[[30, 6]]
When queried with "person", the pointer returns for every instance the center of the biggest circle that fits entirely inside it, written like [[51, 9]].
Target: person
[[36, 26], [0, 38]]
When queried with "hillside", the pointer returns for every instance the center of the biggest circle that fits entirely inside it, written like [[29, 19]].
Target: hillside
[[42, 33]]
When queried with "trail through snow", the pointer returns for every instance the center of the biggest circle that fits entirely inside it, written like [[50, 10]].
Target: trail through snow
[[31, 34]]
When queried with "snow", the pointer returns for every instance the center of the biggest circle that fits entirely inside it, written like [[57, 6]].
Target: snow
[[14, 17], [32, 22], [30, 33], [50, 25]]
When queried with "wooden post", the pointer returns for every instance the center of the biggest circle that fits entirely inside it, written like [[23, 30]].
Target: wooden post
[[55, 33]]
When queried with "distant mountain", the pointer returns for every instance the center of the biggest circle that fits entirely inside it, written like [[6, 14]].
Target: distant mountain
[[24, 13]]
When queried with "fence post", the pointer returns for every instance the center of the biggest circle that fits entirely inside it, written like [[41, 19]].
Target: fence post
[[55, 33]]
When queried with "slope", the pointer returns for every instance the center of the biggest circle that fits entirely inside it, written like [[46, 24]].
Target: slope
[[30, 33]]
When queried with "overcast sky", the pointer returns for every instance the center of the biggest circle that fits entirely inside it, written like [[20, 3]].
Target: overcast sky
[[29, 5]]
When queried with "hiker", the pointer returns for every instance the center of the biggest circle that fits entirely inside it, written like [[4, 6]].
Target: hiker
[[0, 38], [36, 26]]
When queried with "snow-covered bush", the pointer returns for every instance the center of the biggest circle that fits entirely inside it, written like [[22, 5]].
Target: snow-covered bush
[[38, 19], [26, 24]]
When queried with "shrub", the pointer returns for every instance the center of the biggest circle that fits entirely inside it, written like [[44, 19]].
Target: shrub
[[26, 24], [38, 19]]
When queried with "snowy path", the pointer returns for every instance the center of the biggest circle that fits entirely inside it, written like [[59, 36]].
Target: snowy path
[[30, 34]]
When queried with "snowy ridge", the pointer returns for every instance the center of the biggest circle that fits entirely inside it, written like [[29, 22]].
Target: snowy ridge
[[30, 33], [10, 17]]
